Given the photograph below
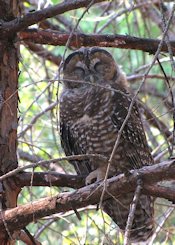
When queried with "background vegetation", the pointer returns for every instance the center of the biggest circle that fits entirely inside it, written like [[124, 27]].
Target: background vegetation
[[39, 90]]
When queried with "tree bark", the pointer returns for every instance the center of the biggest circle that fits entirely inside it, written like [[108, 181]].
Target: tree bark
[[88, 40], [8, 111]]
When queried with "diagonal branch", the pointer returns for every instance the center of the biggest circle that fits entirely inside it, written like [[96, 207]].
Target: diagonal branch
[[18, 24]]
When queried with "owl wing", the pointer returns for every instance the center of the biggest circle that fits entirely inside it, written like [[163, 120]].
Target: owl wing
[[71, 147], [135, 145]]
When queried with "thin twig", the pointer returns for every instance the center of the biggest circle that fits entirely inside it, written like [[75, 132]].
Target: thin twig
[[68, 158], [126, 10], [161, 223], [173, 105], [132, 213], [35, 118]]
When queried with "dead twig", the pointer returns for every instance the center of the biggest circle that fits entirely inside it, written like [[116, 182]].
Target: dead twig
[[132, 212]]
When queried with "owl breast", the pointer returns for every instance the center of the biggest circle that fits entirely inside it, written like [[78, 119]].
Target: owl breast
[[93, 128]]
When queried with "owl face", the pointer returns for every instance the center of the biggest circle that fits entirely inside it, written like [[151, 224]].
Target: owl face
[[89, 65]]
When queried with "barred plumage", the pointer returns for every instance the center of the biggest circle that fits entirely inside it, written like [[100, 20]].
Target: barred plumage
[[93, 105]]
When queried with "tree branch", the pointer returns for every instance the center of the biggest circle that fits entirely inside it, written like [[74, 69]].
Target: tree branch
[[49, 179], [79, 39], [19, 217], [74, 181], [55, 160], [149, 174], [18, 24]]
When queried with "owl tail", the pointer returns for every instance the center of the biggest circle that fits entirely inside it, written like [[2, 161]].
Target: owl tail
[[143, 223]]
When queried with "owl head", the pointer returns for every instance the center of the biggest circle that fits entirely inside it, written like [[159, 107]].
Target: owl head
[[91, 66]]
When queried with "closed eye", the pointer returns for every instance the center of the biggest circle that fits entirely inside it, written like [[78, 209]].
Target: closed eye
[[99, 67], [79, 72]]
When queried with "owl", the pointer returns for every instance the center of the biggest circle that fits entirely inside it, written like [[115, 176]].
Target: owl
[[93, 105]]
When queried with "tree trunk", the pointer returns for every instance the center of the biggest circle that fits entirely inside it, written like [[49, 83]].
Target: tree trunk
[[8, 111]]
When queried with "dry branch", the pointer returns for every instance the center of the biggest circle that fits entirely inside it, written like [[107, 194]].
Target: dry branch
[[79, 39], [19, 217]]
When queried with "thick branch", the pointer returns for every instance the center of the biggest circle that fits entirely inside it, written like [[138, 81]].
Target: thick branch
[[79, 40], [18, 24], [161, 171], [19, 217], [160, 191], [74, 181]]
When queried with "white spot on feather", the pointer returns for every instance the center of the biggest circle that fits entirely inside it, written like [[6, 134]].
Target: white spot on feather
[[83, 119]]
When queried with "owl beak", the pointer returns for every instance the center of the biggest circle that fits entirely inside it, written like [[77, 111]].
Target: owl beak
[[91, 79]]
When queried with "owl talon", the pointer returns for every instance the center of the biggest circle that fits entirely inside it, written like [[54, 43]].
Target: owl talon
[[91, 177], [98, 174]]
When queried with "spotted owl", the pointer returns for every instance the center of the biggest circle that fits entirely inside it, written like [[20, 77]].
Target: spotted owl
[[93, 105]]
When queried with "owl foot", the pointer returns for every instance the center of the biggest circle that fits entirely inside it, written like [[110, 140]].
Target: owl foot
[[98, 174]]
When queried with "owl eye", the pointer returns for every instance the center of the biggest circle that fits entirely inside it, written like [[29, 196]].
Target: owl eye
[[100, 68], [79, 72]]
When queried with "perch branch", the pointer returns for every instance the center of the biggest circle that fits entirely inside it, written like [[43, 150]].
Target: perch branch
[[63, 180], [19, 217]]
